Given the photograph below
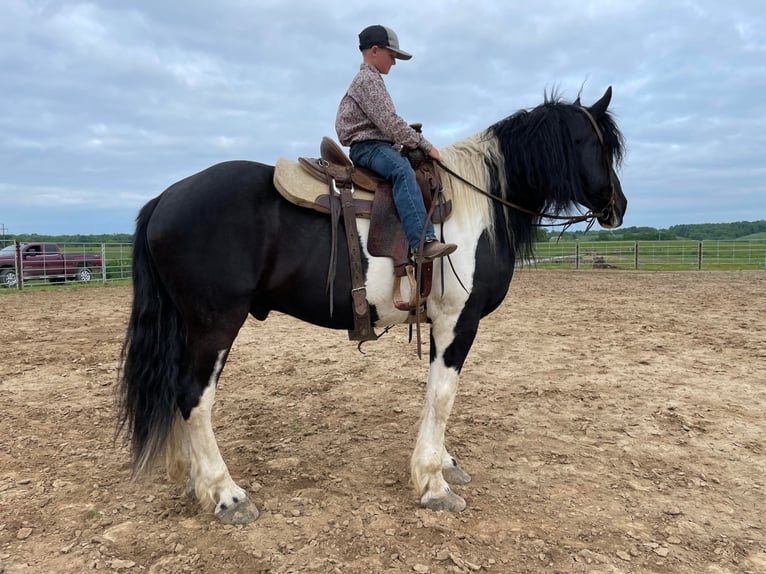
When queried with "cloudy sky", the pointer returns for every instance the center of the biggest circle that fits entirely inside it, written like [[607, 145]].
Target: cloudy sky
[[104, 104]]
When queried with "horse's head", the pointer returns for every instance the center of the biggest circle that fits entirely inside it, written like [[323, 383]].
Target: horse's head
[[601, 147], [551, 161]]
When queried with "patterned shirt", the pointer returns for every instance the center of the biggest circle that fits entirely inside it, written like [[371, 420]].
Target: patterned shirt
[[366, 112]]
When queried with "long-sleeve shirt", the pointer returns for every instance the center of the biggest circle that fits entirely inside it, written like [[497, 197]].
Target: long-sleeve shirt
[[366, 112]]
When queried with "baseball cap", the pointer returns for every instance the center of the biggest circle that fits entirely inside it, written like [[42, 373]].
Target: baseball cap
[[382, 37]]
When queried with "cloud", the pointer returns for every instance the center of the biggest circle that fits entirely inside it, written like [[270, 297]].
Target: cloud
[[106, 104]]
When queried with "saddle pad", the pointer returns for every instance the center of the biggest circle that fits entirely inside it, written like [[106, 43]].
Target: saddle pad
[[298, 186]]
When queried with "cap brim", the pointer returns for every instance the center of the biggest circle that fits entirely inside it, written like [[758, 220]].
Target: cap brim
[[400, 55]]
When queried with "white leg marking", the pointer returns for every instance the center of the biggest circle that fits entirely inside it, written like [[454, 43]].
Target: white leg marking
[[447, 459], [428, 456], [212, 483]]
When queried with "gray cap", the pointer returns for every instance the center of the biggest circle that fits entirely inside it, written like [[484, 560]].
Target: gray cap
[[382, 37]]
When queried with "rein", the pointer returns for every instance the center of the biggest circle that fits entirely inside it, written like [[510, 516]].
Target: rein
[[565, 220]]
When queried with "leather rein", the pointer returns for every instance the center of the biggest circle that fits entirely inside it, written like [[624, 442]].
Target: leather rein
[[590, 216]]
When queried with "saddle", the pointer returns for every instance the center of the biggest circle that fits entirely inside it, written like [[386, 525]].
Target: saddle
[[331, 184]]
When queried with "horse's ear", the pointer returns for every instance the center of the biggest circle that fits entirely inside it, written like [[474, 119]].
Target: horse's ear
[[577, 102], [599, 108]]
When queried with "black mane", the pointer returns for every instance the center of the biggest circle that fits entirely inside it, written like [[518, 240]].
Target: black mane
[[539, 157]]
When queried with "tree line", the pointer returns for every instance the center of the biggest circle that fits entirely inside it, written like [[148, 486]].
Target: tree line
[[80, 238], [696, 232]]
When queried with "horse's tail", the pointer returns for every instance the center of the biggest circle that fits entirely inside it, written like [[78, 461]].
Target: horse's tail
[[151, 357]]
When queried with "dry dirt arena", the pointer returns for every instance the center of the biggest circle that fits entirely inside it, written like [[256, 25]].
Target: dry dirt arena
[[612, 422]]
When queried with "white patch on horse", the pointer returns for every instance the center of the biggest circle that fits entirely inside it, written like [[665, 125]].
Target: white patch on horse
[[208, 472], [380, 282], [428, 456]]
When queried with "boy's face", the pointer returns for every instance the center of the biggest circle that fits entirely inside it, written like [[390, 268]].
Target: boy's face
[[382, 59]]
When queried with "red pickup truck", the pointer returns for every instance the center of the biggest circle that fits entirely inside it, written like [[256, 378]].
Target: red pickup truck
[[46, 261]]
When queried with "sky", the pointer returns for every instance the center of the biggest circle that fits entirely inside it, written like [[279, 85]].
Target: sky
[[104, 104]]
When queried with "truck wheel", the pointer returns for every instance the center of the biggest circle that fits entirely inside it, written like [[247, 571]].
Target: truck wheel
[[84, 274], [8, 278]]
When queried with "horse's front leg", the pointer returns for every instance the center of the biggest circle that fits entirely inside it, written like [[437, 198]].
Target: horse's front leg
[[433, 469], [428, 457], [451, 470]]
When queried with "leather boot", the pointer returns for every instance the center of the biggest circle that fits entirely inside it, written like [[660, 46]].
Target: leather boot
[[434, 250]]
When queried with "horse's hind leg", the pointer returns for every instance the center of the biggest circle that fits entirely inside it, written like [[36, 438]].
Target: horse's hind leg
[[192, 444], [209, 474]]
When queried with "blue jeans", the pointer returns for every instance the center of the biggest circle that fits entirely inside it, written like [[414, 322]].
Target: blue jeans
[[382, 158]]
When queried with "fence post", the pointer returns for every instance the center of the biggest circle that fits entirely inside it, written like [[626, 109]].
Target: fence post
[[103, 263], [635, 256], [699, 256], [19, 267], [577, 254]]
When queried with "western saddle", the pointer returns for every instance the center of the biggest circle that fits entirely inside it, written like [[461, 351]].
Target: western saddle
[[353, 192]]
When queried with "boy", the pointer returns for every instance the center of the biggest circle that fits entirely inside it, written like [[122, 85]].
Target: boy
[[367, 122]]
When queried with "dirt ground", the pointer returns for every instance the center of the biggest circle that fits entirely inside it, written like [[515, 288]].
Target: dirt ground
[[612, 422]]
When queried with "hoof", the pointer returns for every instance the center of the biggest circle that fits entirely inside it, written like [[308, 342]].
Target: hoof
[[243, 512], [455, 475], [450, 502]]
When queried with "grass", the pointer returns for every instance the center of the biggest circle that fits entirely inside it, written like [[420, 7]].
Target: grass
[[754, 237], [652, 255]]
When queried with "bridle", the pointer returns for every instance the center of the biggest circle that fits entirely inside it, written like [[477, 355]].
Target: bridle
[[607, 163], [590, 216]]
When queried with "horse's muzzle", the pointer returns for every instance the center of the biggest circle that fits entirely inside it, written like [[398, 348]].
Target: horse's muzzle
[[610, 221], [612, 216]]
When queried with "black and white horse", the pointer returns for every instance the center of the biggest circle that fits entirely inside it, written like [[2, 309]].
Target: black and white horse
[[223, 243]]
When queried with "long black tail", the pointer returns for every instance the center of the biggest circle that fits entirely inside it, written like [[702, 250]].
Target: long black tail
[[152, 357]]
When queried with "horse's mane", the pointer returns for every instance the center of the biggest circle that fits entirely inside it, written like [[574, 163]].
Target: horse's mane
[[522, 154]]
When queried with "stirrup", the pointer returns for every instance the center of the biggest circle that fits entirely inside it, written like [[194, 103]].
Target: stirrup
[[399, 303]]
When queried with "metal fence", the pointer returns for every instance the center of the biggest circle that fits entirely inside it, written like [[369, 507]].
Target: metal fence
[[651, 255], [637, 255], [20, 270]]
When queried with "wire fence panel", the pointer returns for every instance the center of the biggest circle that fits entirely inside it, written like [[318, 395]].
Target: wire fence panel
[[33, 264], [677, 255], [671, 255], [668, 255], [607, 254], [733, 255], [555, 255], [118, 259]]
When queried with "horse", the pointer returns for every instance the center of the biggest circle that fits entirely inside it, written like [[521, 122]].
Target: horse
[[224, 244]]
